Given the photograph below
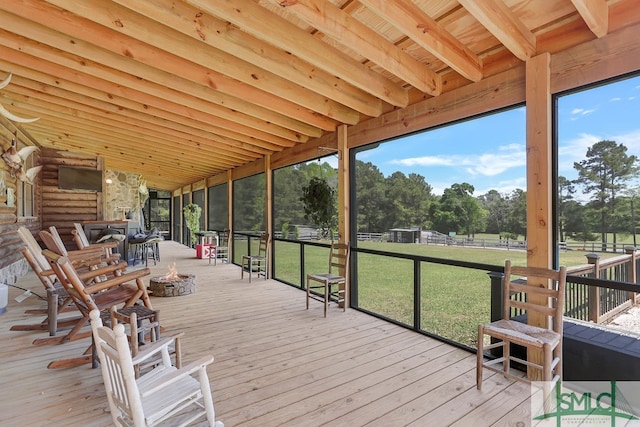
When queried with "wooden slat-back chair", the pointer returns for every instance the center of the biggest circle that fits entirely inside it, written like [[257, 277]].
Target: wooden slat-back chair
[[336, 277], [257, 263], [548, 303], [58, 300], [126, 290], [221, 249], [166, 395], [81, 241]]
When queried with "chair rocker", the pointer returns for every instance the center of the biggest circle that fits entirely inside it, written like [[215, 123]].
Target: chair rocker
[[256, 263], [542, 295], [166, 394], [325, 282]]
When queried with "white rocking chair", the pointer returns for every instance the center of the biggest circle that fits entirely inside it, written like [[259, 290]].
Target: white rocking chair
[[164, 392]]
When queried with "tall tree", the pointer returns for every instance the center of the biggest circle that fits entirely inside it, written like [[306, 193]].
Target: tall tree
[[459, 211], [408, 200], [517, 222], [566, 190], [497, 208], [605, 173], [371, 202]]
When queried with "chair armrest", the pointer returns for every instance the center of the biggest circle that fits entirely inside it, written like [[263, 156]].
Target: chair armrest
[[86, 276], [151, 349], [104, 245], [116, 281], [166, 380]]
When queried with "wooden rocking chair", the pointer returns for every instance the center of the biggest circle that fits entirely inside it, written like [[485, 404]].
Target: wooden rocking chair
[[102, 295], [165, 393], [58, 300], [81, 241]]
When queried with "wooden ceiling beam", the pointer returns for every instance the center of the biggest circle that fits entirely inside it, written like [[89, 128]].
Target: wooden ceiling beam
[[225, 37], [431, 36], [347, 30], [498, 19], [595, 13], [90, 59], [254, 19], [117, 29]]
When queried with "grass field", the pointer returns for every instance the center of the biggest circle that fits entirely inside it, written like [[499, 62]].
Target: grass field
[[453, 301]]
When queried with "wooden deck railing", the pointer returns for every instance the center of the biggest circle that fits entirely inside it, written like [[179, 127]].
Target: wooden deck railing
[[596, 304]]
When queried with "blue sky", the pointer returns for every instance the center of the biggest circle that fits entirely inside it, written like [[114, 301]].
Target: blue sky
[[489, 153]]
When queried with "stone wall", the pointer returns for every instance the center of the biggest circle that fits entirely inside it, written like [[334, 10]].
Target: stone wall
[[124, 192], [11, 273]]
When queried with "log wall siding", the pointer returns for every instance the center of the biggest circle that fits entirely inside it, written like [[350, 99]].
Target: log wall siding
[[61, 208]]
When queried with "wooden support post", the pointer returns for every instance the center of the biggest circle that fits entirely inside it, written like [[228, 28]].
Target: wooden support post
[[230, 214], [268, 214], [343, 198], [539, 181]]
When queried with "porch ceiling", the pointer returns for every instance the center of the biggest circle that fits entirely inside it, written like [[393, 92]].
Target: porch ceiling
[[178, 91]]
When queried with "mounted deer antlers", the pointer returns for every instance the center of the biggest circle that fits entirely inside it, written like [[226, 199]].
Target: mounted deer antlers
[[9, 115], [14, 158]]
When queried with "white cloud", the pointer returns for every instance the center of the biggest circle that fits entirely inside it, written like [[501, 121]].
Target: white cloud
[[579, 112], [617, 98], [486, 164]]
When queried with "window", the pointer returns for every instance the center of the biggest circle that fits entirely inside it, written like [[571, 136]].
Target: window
[[25, 197]]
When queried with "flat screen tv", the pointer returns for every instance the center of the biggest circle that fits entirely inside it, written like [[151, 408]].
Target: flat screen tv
[[74, 178]]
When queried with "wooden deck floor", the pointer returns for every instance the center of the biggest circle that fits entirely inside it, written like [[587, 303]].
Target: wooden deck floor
[[275, 363]]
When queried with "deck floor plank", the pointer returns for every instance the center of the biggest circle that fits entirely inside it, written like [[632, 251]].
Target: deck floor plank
[[276, 363]]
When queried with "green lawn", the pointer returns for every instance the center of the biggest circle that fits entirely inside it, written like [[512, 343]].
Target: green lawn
[[454, 300]]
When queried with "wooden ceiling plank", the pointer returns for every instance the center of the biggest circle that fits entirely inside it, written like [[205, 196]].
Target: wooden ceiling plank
[[62, 77], [135, 118], [342, 27], [595, 13], [117, 125], [196, 106], [265, 25], [90, 59], [174, 163], [104, 144], [498, 19], [427, 33], [225, 37], [176, 53]]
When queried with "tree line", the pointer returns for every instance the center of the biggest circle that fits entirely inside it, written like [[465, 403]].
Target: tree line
[[402, 201]]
